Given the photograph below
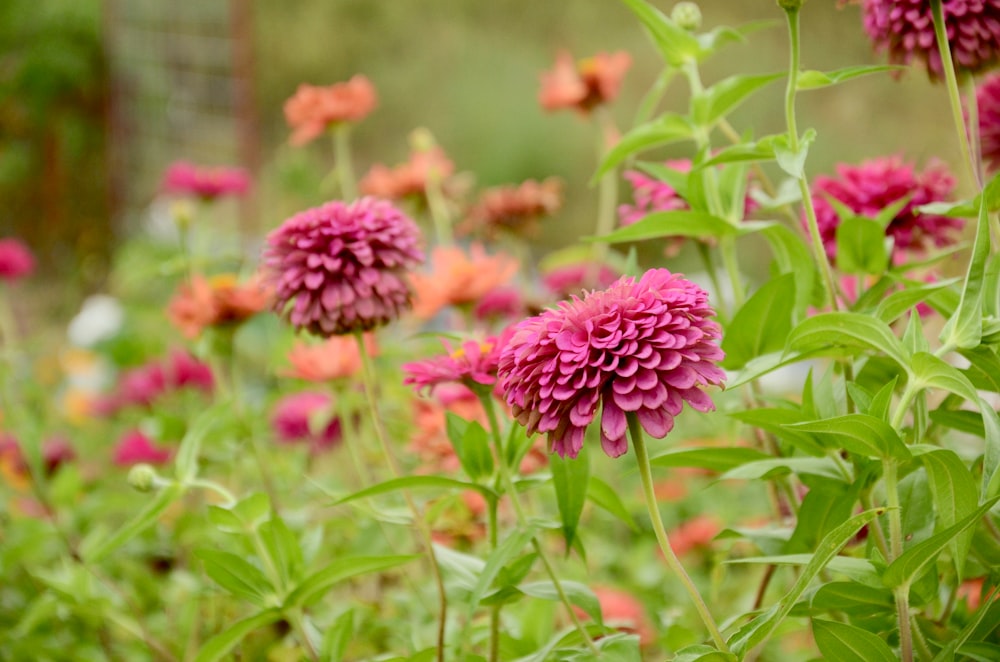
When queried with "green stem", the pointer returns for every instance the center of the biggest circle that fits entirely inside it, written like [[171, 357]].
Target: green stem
[[438, 209], [342, 156], [954, 94], [494, 655], [902, 593], [522, 519], [368, 377], [646, 474]]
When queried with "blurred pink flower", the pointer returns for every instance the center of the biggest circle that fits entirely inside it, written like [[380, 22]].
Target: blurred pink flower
[[501, 303], [572, 279], [644, 346], [988, 101], [135, 448], [143, 385], [313, 109], [206, 183], [341, 268], [291, 417], [905, 28], [16, 260], [696, 532], [869, 188], [624, 612]]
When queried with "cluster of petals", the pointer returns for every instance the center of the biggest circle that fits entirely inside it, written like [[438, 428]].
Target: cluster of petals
[[16, 260], [585, 84], [869, 188], [292, 421], [569, 279], [458, 277], [336, 357], [501, 304], [642, 347], [205, 182], [410, 178], [473, 364], [695, 533], [624, 612], [313, 109], [341, 268], [218, 301], [652, 195], [134, 447], [517, 208], [988, 101], [143, 385], [905, 29]]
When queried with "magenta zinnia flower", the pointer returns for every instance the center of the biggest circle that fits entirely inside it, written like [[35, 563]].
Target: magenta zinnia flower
[[340, 268], [572, 278], [291, 421], [136, 448], [474, 365], [652, 195], [869, 188], [905, 28], [988, 101], [641, 347], [16, 260], [207, 183]]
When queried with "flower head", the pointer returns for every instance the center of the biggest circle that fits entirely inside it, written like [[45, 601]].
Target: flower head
[[501, 303], [16, 260], [584, 84], [572, 278], [458, 277], [143, 385], [134, 448], [313, 109], [642, 347], [624, 612], [473, 364], [337, 357], [218, 301], [341, 268], [869, 188], [410, 178], [207, 183], [905, 28], [516, 208], [292, 420], [988, 101]]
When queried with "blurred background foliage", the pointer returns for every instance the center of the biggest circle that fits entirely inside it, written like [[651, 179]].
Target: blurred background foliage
[[468, 70]]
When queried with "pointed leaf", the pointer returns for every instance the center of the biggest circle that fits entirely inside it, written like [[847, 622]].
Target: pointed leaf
[[236, 575], [861, 246], [714, 459], [675, 44], [955, 496], [846, 643], [930, 371], [604, 496], [725, 96], [671, 224], [221, 644], [137, 524], [860, 434], [509, 548], [571, 478], [317, 584], [848, 330], [669, 128], [186, 463], [762, 324], [964, 330], [814, 80], [416, 482]]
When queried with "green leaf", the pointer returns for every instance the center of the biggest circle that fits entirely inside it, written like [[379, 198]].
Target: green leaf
[[814, 80], [823, 467], [964, 330], [137, 524], [676, 45], [237, 576], [904, 570], [337, 637], [745, 152], [714, 459], [984, 368], [604, 496], [510, 547], [472, 445], [848, 330], [827, 505], [218, 646], [892, 307], [317, 584], [955, 496], [969, 422], [793, 256], [725, 96], [778, 422], [860, 434], [852, 598], [930, 371], [579, 594], [793, 162], [571, 477], [702, 653], [186, 464], [760, 628], [860, 570], [243, 516], [668, 128], [861, 246], [416, 482], [991, 452], [662, 224], [283, 548], [761, 325], [846, 643]]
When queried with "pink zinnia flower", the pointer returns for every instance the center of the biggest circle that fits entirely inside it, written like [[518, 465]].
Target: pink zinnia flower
[[143, 385], [207, 183], [869, 188], [572, 278], [905, 28], [501, 303], [474, 365], [291, 417], [313, 109], [988, 101], [134, 448], [341, 268], [16, 260], [652, 195], [642, 347]]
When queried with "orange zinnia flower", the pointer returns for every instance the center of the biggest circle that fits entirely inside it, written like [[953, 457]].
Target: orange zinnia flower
[[584, 84], [458, 278], [696, 532], [313, 109], [217, 301], [337, 357], [409, 178], [516, 208]]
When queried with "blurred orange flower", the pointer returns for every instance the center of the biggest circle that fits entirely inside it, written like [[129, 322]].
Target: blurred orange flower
[[337, 357], [697, 532], [216, 301], [458, 278], [624, 612], [584, 84], [516, 208], [409, 178], [313, 109]]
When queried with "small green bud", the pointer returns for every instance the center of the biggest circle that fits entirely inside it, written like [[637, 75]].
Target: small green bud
[[142, 478], [686, 15]]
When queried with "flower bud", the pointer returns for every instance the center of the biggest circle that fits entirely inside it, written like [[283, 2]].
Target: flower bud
[[142, 477], [422, 140], [686, 15]]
